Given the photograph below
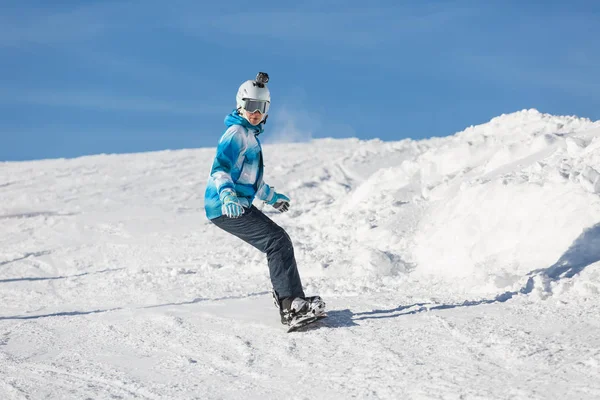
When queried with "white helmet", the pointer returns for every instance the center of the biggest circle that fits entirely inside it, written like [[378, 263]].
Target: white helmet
[[254, 95]]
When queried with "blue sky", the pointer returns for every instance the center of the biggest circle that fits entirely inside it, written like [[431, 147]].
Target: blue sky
[[88, 77]]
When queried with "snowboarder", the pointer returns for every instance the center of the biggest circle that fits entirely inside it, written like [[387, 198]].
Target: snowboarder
[[235, 180]]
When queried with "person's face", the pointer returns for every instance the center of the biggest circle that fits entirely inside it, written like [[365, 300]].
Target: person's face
[[254, 118]]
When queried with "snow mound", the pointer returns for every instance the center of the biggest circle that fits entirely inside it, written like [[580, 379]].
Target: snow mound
[[476, 211], [515, 204]]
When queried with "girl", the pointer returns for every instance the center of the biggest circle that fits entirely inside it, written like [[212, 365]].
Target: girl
[[235, 180]]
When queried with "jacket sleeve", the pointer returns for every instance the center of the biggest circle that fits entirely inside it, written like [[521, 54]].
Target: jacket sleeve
[[230, 154], [265, 192]]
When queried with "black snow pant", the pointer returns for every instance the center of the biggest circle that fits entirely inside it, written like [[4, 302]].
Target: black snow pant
[[258, 230]]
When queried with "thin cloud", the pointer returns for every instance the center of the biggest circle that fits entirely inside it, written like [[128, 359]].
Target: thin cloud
[[50, 25], [31, 26], [518, 70], [138, 69], [357, 27], [101, 101]]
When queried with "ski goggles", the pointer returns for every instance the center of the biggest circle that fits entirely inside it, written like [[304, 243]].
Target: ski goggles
[[253, 106]]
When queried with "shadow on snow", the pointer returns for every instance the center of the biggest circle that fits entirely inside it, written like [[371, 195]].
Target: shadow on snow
[[75, 313], [584, 251], [50, 278], [25, 256]]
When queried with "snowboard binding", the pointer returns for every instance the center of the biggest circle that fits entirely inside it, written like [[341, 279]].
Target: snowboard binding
[[300, 311]]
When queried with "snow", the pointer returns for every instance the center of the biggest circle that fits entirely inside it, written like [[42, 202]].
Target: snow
[[459, 267]]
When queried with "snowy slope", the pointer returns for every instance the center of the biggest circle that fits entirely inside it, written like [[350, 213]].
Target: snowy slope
[[459, 267]]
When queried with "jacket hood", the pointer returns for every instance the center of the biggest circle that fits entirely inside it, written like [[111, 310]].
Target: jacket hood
[[236, 119]]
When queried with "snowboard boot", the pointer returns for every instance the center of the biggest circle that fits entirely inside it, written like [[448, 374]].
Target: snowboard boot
[[294, 308], [316, 305]]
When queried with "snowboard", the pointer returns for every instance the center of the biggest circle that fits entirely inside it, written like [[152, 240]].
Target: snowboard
[[298, 325]]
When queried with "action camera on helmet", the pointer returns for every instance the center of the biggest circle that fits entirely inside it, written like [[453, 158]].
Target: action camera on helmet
[[262, 78]]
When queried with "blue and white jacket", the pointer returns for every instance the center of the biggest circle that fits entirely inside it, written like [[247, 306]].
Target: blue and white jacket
[[238, 166]]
